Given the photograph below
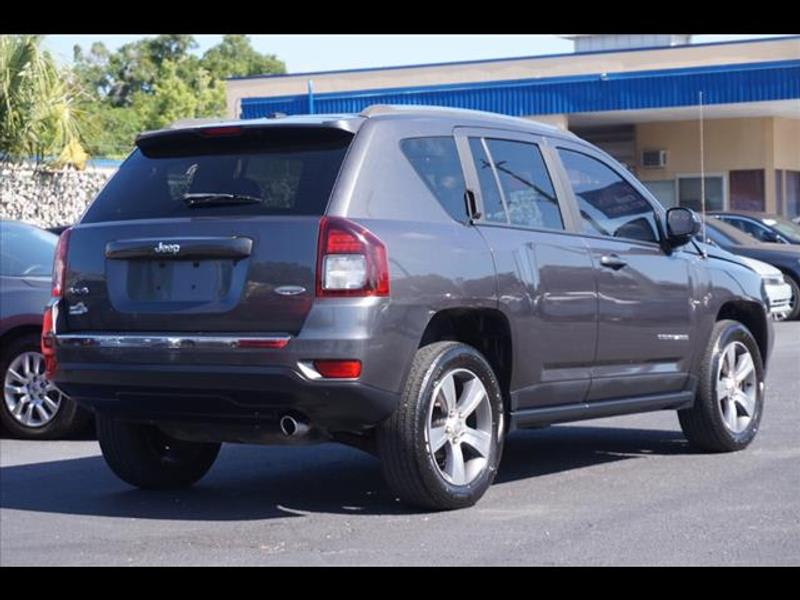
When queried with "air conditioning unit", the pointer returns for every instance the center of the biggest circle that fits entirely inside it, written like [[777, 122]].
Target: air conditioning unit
[[654, 159]]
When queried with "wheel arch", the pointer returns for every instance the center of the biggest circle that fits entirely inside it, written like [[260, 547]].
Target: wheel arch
[[485, 329], [751, 315], [20, 331]]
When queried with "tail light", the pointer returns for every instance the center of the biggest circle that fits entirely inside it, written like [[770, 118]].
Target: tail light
[[48, 342], [351, 260], [60, 265]]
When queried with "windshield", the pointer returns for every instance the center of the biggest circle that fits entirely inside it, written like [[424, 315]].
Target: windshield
[[725, 235], [785, 227], [25, 250], [265, 171]]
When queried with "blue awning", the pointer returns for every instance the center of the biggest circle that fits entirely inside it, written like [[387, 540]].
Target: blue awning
[[720, 84]]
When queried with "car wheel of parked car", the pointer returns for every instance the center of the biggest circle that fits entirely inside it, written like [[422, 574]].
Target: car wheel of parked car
[[794, 312], [442, 446], [32, 406], [730, 396], [145, 457]]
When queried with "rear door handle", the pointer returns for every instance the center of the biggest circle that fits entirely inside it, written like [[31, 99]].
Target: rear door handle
[[612, 261]]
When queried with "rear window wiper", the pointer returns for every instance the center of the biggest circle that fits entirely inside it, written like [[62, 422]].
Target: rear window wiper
[[218, 199]]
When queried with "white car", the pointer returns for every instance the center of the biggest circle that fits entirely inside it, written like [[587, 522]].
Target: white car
[[778, 291]]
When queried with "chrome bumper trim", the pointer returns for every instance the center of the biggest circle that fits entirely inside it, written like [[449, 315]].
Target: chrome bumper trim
[[195, 342]]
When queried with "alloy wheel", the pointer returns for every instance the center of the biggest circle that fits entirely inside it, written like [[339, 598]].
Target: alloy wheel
[[737, 387], [31, 399], [459, 427]]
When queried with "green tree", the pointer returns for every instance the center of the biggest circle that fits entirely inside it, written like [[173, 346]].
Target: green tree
[[152, 82], [39, 104], [234, 56]]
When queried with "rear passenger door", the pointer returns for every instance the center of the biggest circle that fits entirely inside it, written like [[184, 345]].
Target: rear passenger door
[[645, 295], [545, 282]]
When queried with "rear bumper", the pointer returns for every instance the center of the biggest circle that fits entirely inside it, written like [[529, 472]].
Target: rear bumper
[[250, 396]]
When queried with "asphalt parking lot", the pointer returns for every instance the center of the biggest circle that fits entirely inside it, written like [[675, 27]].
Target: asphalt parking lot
[[614, 491]]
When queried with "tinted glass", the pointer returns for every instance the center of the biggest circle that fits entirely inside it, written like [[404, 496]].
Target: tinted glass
[[727, 235], [760, 232], [492, 204], [785, 227], [282, 173], [608, 204], [25, 251], [527, 189], [435, 159]]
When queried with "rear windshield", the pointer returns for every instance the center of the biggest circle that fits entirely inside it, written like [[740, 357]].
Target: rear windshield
[[262, 171]]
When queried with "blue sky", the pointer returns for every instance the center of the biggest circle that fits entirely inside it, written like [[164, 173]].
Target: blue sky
[[303, 53]]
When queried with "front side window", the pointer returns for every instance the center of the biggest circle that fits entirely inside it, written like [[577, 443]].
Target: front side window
[[435, 159], [528, 192], [608, 204], [493, 209], [759, 232]]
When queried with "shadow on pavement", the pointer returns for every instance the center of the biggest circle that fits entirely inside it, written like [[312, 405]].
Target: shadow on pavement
[[252, 483]]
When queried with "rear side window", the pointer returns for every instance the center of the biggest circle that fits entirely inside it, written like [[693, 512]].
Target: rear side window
[[435, 159], [25, 251], [263, 171], [608, 204]]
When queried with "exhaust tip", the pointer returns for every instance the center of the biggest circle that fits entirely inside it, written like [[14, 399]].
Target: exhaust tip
[[291, 427]]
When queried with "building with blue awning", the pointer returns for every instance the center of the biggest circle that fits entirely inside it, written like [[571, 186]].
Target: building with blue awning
[[640, 104]]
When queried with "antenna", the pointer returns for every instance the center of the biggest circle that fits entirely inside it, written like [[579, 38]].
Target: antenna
[[702, 169]]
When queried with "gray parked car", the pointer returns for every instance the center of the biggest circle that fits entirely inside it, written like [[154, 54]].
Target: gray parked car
[[416, 282], [32, 406]]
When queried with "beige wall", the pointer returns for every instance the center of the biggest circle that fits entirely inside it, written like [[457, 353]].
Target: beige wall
[[730, 144], [521, 68], [787, 143]]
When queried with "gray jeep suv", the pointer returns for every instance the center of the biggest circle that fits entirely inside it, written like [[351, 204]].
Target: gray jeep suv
[[416, 282]]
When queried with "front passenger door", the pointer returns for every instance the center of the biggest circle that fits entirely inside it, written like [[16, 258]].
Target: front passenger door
[[645, 295]]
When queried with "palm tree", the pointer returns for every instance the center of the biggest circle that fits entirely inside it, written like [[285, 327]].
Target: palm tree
[[39, 116]]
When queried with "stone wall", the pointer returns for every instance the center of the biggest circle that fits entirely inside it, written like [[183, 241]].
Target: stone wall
[[47, 198]]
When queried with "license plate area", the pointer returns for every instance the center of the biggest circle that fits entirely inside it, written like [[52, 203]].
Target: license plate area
[[179, 280]]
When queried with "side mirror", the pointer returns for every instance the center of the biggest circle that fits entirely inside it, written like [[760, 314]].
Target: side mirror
[[682, 225]]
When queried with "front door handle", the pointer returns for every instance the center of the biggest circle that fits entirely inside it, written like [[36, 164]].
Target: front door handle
[[612, 261]]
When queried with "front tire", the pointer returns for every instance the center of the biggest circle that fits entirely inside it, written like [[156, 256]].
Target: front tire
[[442, 446], [145, 457], [794, 311], [730, 397]]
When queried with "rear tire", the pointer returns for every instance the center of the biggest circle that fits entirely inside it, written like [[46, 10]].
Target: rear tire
[[25, 387], [442, 446], [726, 413], [144, 457]]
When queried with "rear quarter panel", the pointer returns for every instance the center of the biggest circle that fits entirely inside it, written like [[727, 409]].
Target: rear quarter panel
[[435, 262]]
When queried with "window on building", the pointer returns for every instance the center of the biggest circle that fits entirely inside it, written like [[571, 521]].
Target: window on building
[[435, 159], [608, 204], [664, 192], [527, 190], [791, 193], [779, 192], [746, 189], [689, 192], [493, 208]]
